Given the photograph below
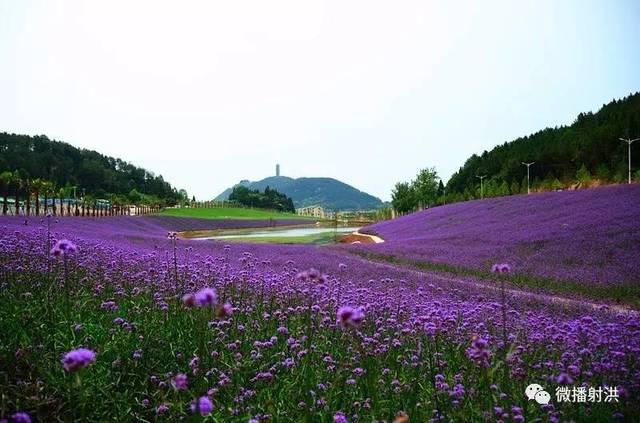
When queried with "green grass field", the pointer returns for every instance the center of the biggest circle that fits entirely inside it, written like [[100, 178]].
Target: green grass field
[[229, 213], [321, 238]]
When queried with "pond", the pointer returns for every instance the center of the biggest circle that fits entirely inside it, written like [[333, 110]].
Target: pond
[[281, 233]]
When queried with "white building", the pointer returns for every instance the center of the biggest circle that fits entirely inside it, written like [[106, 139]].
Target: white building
[[313, 211]]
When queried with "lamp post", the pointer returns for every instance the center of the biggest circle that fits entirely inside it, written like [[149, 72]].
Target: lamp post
[[528, 165], [629, 141], [481, 177]]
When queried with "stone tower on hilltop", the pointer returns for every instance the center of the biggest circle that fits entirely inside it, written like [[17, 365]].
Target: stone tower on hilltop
[[277, 169]]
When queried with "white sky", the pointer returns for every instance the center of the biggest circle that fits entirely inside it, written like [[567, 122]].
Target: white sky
[[368, 92]]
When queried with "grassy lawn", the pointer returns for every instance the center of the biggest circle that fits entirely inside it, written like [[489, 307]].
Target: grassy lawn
[[321, 238], [229, 213]]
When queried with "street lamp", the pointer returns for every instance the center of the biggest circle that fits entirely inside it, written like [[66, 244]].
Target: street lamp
[[528, 165], [481, 190], [629, 141]]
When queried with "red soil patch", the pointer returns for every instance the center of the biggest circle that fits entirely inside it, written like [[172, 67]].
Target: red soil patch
[[352, 238]]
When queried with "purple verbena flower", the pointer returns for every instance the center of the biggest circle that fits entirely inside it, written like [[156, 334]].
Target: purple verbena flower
[[21, 417], [349, 316], [63, 247], [203, 406], [339, 417], [479, 352], [501, 268], [180, 382], [78, 359], [225, 310], [207, 297]]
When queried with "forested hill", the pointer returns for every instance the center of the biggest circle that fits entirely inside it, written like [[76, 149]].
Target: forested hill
[[326, 192], [588, 149], [65, 166]]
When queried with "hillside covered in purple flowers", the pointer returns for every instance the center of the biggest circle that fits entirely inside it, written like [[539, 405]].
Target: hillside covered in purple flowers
[[590, 236]]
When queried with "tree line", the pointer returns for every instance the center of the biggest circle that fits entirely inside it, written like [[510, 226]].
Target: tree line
[[38, 196], [269, 199], [576, 155], [423, 192], [588, 152], [39, 164]]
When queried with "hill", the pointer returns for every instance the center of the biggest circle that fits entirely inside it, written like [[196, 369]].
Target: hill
[[65, 166], [590, 147], [327, 192], [587, 236]]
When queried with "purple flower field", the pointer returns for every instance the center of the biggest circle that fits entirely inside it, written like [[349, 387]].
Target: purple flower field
[[591, 236], [155, 225], [109, 319]]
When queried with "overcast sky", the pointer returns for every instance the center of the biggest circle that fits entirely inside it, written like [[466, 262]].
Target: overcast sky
[[209, 93]]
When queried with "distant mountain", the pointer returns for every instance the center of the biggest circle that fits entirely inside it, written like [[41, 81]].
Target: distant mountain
[[326, 192]]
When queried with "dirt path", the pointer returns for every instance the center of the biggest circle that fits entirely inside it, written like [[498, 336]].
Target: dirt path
[[518, 293]]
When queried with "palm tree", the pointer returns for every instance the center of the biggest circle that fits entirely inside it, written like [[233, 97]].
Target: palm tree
[[53, 197], [26, 183], [68, 194], [47, 187], [16, 181], [61, 193], [37, 186], [76, 211], [5, 180]]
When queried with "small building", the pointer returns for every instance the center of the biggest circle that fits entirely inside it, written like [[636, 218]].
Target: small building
[[313, 211]]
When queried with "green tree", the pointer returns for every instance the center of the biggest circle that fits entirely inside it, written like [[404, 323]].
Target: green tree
[[16, 182], [62, 193], [26, 183], [583, 175], [37, 185], [269, 199], [403, 198], [135, 197], [441, 189], [425, 187], [603, 173], [503, 189], [515, 187], [5, 179]]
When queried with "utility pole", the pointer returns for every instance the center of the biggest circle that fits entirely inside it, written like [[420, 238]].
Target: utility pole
[[444, 196], [481, 177], [528, 165], [629, 141]]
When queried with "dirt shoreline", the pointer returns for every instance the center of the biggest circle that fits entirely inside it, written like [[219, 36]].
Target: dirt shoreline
[[359, 238]]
